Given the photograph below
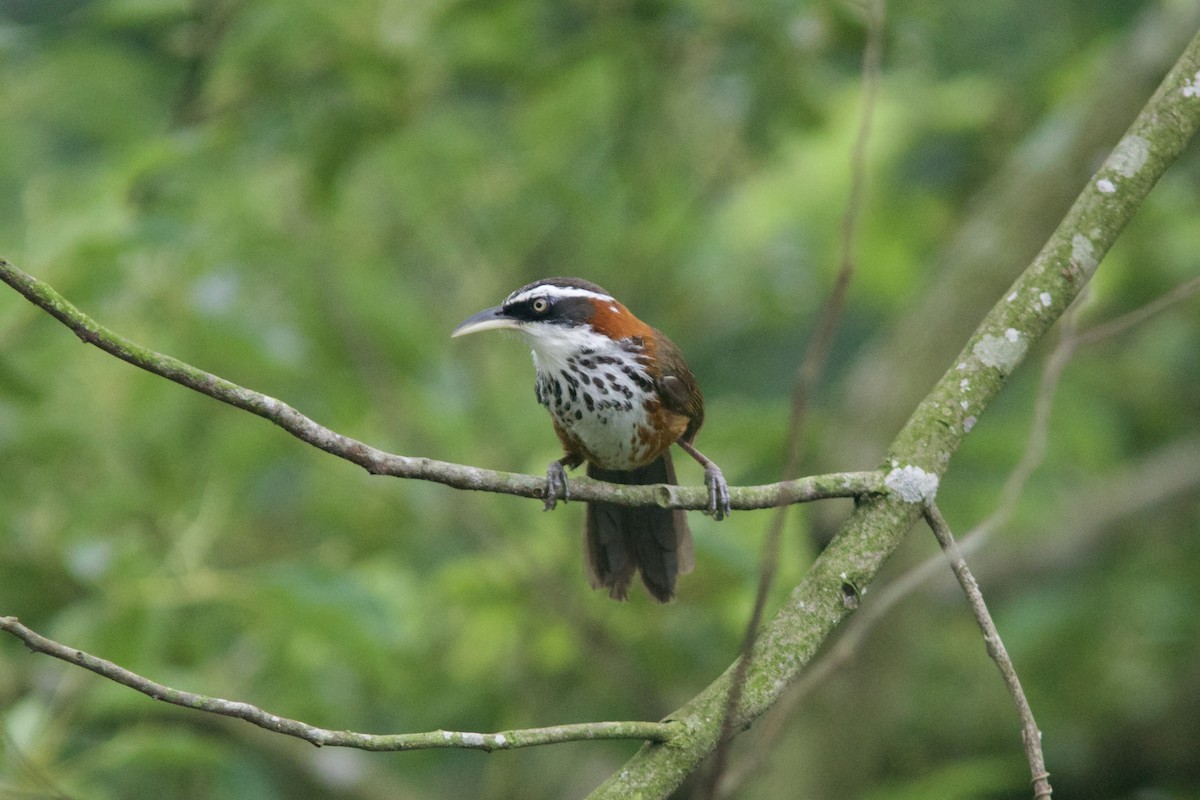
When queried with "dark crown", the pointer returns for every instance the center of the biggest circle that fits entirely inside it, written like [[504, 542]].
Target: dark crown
[[565, 283]]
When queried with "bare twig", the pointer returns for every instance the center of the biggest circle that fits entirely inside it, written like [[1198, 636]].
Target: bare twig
[[321, 737], [817, 352], [1141, 314], [1030, 734], [378, 462], [811, 367]]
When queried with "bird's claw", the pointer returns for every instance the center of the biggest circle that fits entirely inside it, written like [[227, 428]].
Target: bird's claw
[[718, 493], [556, 479]]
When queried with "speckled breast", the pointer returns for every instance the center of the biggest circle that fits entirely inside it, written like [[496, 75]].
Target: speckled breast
[[604, 403]]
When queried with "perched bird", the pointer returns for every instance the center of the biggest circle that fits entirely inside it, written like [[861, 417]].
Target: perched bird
[[619, 395]]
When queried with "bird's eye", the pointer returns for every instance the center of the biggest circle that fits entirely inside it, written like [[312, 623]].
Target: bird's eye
[[540, 305]]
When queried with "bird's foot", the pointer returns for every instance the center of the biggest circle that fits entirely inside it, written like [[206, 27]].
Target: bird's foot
[[718, 492], [556, 480]]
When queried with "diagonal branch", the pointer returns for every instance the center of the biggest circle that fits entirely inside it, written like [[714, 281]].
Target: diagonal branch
[[321, 737], [378, 462]]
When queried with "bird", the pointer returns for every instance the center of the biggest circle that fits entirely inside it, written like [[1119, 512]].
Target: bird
[[619, 395]]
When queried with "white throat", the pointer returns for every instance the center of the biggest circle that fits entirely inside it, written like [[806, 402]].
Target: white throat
[[553, 344]]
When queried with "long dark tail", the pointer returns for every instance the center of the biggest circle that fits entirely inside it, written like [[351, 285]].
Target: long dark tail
[[624, 539]]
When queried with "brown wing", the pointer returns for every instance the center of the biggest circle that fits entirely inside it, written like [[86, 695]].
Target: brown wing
[[678, 388]]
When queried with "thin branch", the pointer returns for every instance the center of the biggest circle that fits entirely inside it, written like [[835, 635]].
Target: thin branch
[[321, 737], [811, 367], [1030, 735], [1141, 314], [817, 352], [378, 462]]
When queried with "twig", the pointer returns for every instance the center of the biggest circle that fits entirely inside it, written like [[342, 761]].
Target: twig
[[1030, 734], [378, 462], [817, 352], [1138, 315], [321, 737], [811, 366]]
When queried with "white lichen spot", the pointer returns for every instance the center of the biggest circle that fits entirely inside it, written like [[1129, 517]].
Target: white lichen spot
[[969, 423], [965, 404], [1012, 297], [912, 484], [1193, 89], [447, 735], [843, 576], [1106, 186], [1001, 352], [1082, 254], [964, 384], [500, 740], [1129, 156], [473, 739], [1046, 299], [962, 365]]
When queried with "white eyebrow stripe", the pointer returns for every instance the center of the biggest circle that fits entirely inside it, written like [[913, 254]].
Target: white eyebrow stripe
[[549, 290]]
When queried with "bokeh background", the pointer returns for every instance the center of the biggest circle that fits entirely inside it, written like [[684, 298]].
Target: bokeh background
[[305, 197]]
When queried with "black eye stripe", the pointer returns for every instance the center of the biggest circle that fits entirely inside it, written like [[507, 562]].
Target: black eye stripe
[[550, 309]]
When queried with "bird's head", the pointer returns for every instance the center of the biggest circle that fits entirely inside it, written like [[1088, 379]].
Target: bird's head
[[559, 317]]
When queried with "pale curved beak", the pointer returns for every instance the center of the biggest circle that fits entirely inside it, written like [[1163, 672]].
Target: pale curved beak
[[486, 320]]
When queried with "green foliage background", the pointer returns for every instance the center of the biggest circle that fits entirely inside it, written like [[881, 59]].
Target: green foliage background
[[305, 197]]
